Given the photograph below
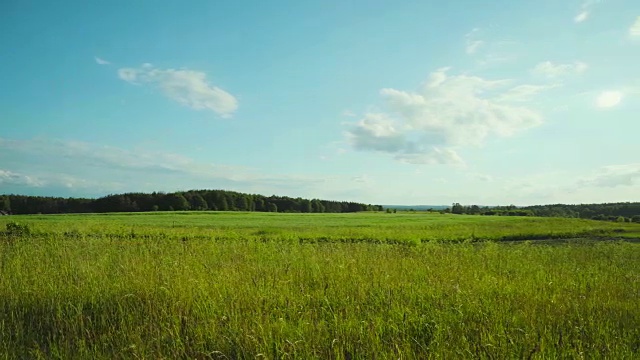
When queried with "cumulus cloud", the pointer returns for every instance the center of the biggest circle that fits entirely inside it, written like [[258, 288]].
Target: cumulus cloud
[[378, 132], [608, 99], [426, 126], [634, 30], [553, 70], [187, 87], [100, 61], [613, 176]]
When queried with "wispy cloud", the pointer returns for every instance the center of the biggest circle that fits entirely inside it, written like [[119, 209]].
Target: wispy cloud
[[608, 183], [98, 156], [634, 30], [481, 177], [554, 70], [524, 93], [473, 43], [84, 169], [613, 176], [447, 113], [434, 156], [8, 177], [139, 166], [348, 113], [581, 17], [43, 180], [585, 11], [101, 61], [609, 99], [187, 87]]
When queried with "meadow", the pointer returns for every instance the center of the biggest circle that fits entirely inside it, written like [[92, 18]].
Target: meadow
[[224, 285]]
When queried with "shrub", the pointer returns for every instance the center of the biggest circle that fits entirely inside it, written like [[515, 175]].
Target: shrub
[[13, 228]]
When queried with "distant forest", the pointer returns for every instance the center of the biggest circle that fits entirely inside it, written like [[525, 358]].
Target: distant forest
[[216, 200], [222, 200], [620, 212]]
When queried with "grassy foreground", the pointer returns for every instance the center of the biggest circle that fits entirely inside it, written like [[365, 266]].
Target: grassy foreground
[[315, 286]]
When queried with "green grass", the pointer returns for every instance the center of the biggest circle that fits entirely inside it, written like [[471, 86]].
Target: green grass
[[230, 285], [356, 227]]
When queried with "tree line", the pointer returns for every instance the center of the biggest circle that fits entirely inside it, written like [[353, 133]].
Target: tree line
[[620, 212], [197, 200], [624, 211]]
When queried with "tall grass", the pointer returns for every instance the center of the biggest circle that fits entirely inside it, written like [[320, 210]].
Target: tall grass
[[115, 297]]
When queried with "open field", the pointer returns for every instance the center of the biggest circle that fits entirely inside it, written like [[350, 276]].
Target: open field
[[343, 286], [350, 227]]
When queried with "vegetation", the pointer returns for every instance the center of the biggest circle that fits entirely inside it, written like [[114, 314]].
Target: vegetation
[[588, 211], [221, 200], [398, 228], [619, 212], [225, 285], [200, 200]]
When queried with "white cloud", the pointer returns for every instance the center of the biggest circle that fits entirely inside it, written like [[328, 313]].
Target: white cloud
[[11, 178], [448, 112], [437, 77], [552, 70], [433, 157], [461, 110], [100, 61], [380, 133], [473, 46], [187, 87], [473, 43], [608, 99], [582, 16], [585, 11], [377, 132], [613, 176], [634, 30], [523, 93]]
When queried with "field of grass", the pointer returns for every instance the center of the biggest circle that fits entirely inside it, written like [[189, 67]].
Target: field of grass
[[351, 227], [337, 286]]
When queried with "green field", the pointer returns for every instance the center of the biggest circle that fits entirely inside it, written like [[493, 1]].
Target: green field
[[218, 285]]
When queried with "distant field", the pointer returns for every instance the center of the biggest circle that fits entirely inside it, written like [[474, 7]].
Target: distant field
[[327, 286], [350, 227]]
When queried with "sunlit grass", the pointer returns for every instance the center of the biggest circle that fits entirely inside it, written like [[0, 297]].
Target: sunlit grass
[[356, 227], [243, 290]]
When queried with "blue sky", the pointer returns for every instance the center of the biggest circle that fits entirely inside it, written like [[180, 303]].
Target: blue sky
[[387, 102]]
